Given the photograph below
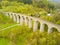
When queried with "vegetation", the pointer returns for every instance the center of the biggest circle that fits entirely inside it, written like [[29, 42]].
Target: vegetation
[[41, 8], [25, 36], [5, 21]]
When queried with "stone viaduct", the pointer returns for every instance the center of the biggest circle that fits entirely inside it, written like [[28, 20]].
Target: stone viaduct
[[32, 22]]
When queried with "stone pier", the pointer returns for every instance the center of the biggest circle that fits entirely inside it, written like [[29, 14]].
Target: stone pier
[[28, 22]]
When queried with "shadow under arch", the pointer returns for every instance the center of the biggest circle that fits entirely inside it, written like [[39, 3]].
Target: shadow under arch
[[38, 25], [27, 18], [19, 18], [27, 21], [45, 27], [54, 29], [23, 19], [9, 14], [31, 21]]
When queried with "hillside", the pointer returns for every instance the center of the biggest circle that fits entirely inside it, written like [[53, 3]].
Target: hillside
[[24, 36], [5, 21], [12, 33]]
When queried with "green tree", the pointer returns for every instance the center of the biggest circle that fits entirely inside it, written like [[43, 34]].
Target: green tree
[[0, 6], [56, 16], [40, 3], [25, 1], [4, 3], [12, 0], [51, 7]]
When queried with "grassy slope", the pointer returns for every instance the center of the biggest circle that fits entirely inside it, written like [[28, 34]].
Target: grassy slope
[[19, 35], [5, 35], [23, 36], [5, 21]]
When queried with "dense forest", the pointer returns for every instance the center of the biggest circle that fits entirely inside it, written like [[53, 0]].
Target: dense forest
[[32, 7], [44, 9]]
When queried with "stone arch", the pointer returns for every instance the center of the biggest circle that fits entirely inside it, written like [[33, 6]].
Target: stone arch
[[39, 25], [11, 14], [27, 18], [42, 26], [35, 26], [23, 19], [19, 18], [30, 23], [45, 27], [26, 21], [53, 29], [15, 17], [8, 14]]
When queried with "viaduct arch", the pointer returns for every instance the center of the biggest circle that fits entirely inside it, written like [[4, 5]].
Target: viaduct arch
[[21, 18]]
